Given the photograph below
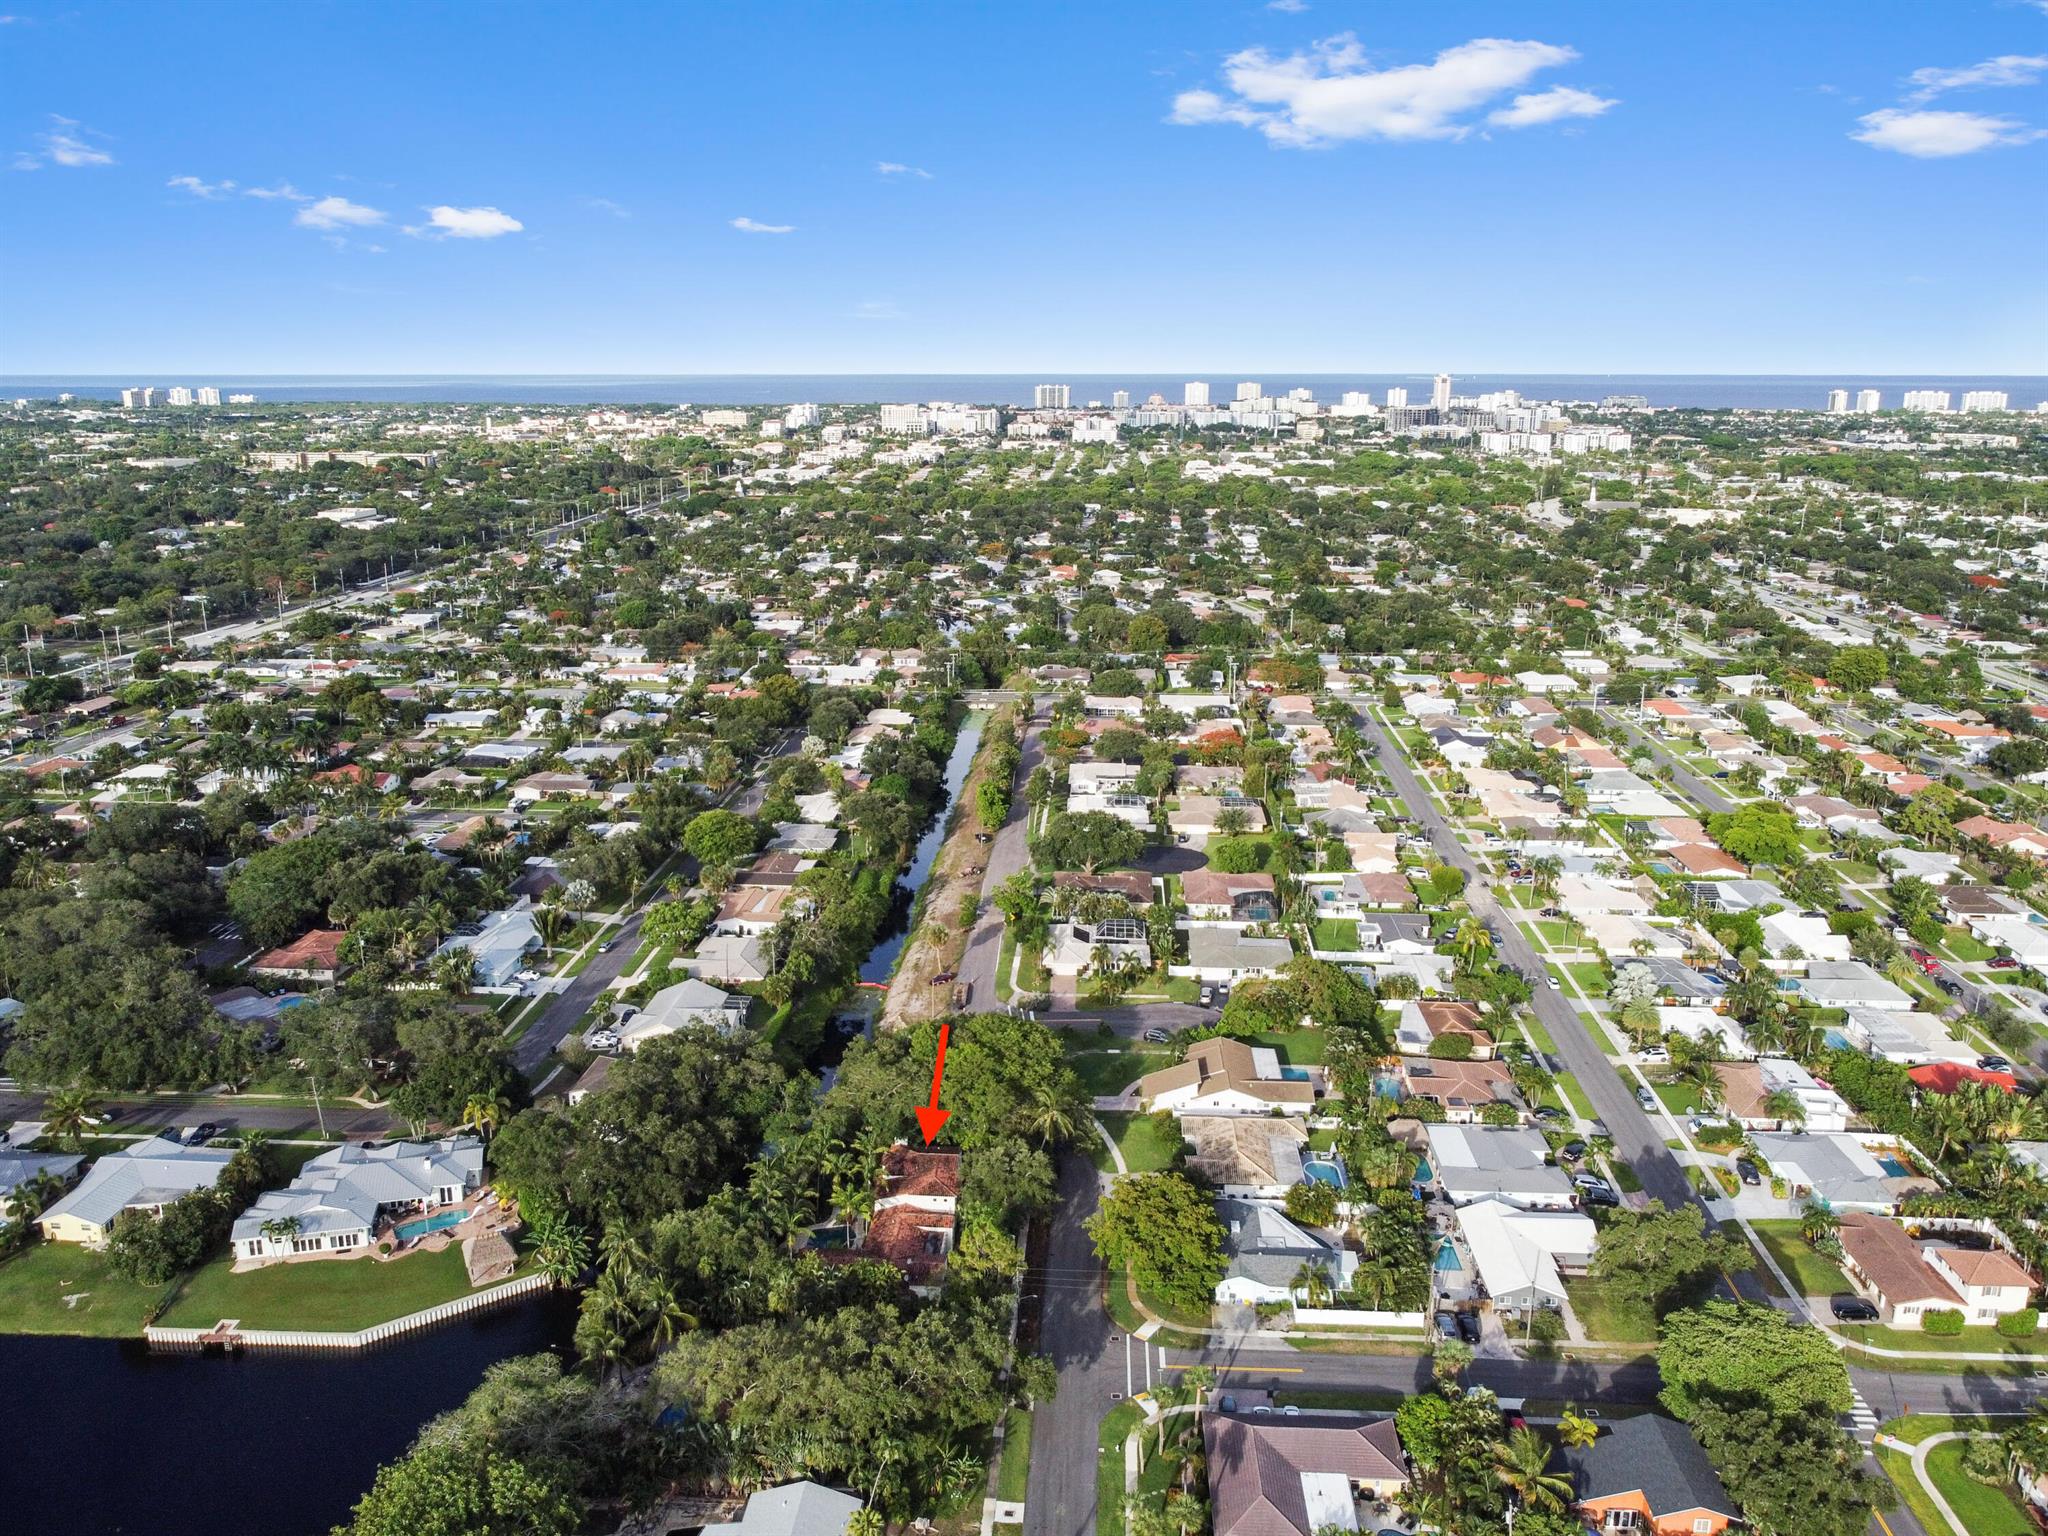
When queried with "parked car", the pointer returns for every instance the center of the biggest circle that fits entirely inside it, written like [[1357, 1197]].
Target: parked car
[[1646, 1098], [606, 947], [984, 837], [1157, 1037], [1572, 1150], [1208, 996], [1601, 1196], [1548, 1113], [1588, 1181], [2003, 963], [1852, 1309], [1555, 984], [1447, 1325], [1748, 1171], [1994, 1064], [1653, 1054], [202, 1133], [1468, 1327]]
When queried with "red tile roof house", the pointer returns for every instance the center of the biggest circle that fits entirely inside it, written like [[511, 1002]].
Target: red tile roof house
[[2015, 836], [912, 1226], [313, 956], [1946, 1077], [1908, 1280]]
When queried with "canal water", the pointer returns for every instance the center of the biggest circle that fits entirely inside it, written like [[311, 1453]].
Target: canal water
[[881, 959], [106, 1439]]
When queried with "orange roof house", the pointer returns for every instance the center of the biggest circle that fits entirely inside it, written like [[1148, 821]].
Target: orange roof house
[[1647, 1474]]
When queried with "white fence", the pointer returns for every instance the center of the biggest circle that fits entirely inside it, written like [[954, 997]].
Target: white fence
[[1346, 1317], [273, 1338]]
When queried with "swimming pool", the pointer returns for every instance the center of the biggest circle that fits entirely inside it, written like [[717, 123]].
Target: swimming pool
[[406, 1231], [1295, 1074], [1446, 1260], [1324, 1170], [1893, 1167]]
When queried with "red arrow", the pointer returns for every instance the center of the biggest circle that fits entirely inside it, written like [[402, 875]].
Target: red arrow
[[930, 1118]]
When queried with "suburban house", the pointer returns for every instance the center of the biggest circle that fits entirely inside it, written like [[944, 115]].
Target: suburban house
[[1297, 1476], [1947, 1076], [500, 945], [1647, 1474], [1463, 1088], [144, 1177], [314, 956], [1849, 984], [692, 1004], [1194, 820], [1224, 954], [1424, 1023], [1264, 1251], [1907, 1279], [339, 1199], [1216, 897], [1222, 1076], [1255, 1156], [1520, 1255], [794, 1509], [1133, 809], [18, 1168], [732, 957], [1510, 1163], [1838, 1171], [1750, 1092], [912, 1225]]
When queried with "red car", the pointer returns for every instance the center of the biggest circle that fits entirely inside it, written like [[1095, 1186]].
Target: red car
[[2005, 963]]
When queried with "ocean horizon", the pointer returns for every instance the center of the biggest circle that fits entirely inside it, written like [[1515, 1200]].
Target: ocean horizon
[[1674, 391]]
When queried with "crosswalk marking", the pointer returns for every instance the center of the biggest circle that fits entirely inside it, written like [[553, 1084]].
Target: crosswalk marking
[[1862, 1421]]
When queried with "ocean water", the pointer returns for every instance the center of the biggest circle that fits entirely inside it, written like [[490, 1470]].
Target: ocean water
[[1692, 391]]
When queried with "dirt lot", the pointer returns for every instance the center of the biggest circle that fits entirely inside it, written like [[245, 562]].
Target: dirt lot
[[951, 899]]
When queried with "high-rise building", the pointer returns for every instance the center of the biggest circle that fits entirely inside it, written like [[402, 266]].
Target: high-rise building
[[1397, 399], [1440, 392], [138, 399], [209, 395], [1838, 402], [1049, 397], [180, 395], [1356, 399], [1869, 402], [1195, 394], [1120, 400], [800, 417], [1985, 400], [1251, 391], [1926, 400]]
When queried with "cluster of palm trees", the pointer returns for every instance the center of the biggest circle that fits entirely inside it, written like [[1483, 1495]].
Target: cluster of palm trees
[[633, 1309]]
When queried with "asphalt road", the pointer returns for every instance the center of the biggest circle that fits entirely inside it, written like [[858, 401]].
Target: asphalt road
[[160, 1112], [1638, 1141], [1094, 1357], [1007, 855], [571, 1003]]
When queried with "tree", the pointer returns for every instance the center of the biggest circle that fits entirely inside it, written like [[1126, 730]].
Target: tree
[[1164, 1230], [992, 804], [1312, 1203], [1655, 1256], [1236, 855], [1761, 832], [1091, 840], [720, 838], [1522, 1464], [454, 1490], [68, 1113], [1733, 1351]]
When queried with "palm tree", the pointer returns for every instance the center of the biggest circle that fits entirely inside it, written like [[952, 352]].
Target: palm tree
[[866, 1521], [1522, 1464], [484, 1113], [1312, 1285], [1785, 1106], [1472, 942], [1575, 1430], [1049, 1115], [68, 1112], [1818, 1225], [561, 1251], [666, 1315]]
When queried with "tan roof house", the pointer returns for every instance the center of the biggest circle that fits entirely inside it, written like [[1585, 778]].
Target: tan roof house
[[1227, 1077]]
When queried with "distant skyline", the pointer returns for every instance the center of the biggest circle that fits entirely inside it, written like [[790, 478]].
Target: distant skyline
[[529, 188]]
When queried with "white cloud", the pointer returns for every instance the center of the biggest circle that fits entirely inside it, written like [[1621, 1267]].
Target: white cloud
[[1287, 7], [897, 168], [198, 188], [67, 145], [606, 205], [877, 309], [755, 227], [1940, 135], [2006, 69], [283, 190], [446, 223], [336, 213], [1551, 106], [1331, 93]]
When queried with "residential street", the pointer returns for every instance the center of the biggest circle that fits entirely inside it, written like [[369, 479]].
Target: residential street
[[152, 1112], [1008, 854]]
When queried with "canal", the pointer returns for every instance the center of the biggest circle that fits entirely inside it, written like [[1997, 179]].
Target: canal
[[881, 960], [107, 1439]]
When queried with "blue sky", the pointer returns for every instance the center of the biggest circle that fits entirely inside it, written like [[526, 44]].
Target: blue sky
[[1310, 185]]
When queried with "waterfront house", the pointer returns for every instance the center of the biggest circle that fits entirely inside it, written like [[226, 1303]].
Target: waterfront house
[[338, 1202], [146, 1176]]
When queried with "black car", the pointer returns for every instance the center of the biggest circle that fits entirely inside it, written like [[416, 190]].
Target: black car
[[1748, 1171], [1468, 1327], [1547, 1113], [1603, 1197], [1572, 1150], [1852, 1309], [201, 1134], [1994, 1064]]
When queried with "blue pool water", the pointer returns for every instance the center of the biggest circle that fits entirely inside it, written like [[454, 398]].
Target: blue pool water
[[1446, 1256], [1892, 1166], [1422, 1171], [408, 1230], [1324, 1171], [1294, 1074], [1836, 1040]]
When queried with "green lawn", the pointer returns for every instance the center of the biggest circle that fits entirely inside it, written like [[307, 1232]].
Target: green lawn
[[1681, 1096], [1966, 946], [1144, 1148], [35, 1283], [1109, 1466], [1575, 1096], [1813, 1273], [1365, 1401], [340, 1295], [1987, 1341], [1591, 979], [1338, 934], [1003, 954], [1015, 1471], [1296, 1047], [1984, 1510], [1609, 1318], [1108, 1070]]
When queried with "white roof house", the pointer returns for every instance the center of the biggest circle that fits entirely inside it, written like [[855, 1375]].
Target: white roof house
[[339, 1197], [144, 1177], [794, 1509], [501, 945], [1519, 1254], [1811, 936], [1906, 1037], [1851, 984], [1511, 1164], [691, 1004]]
